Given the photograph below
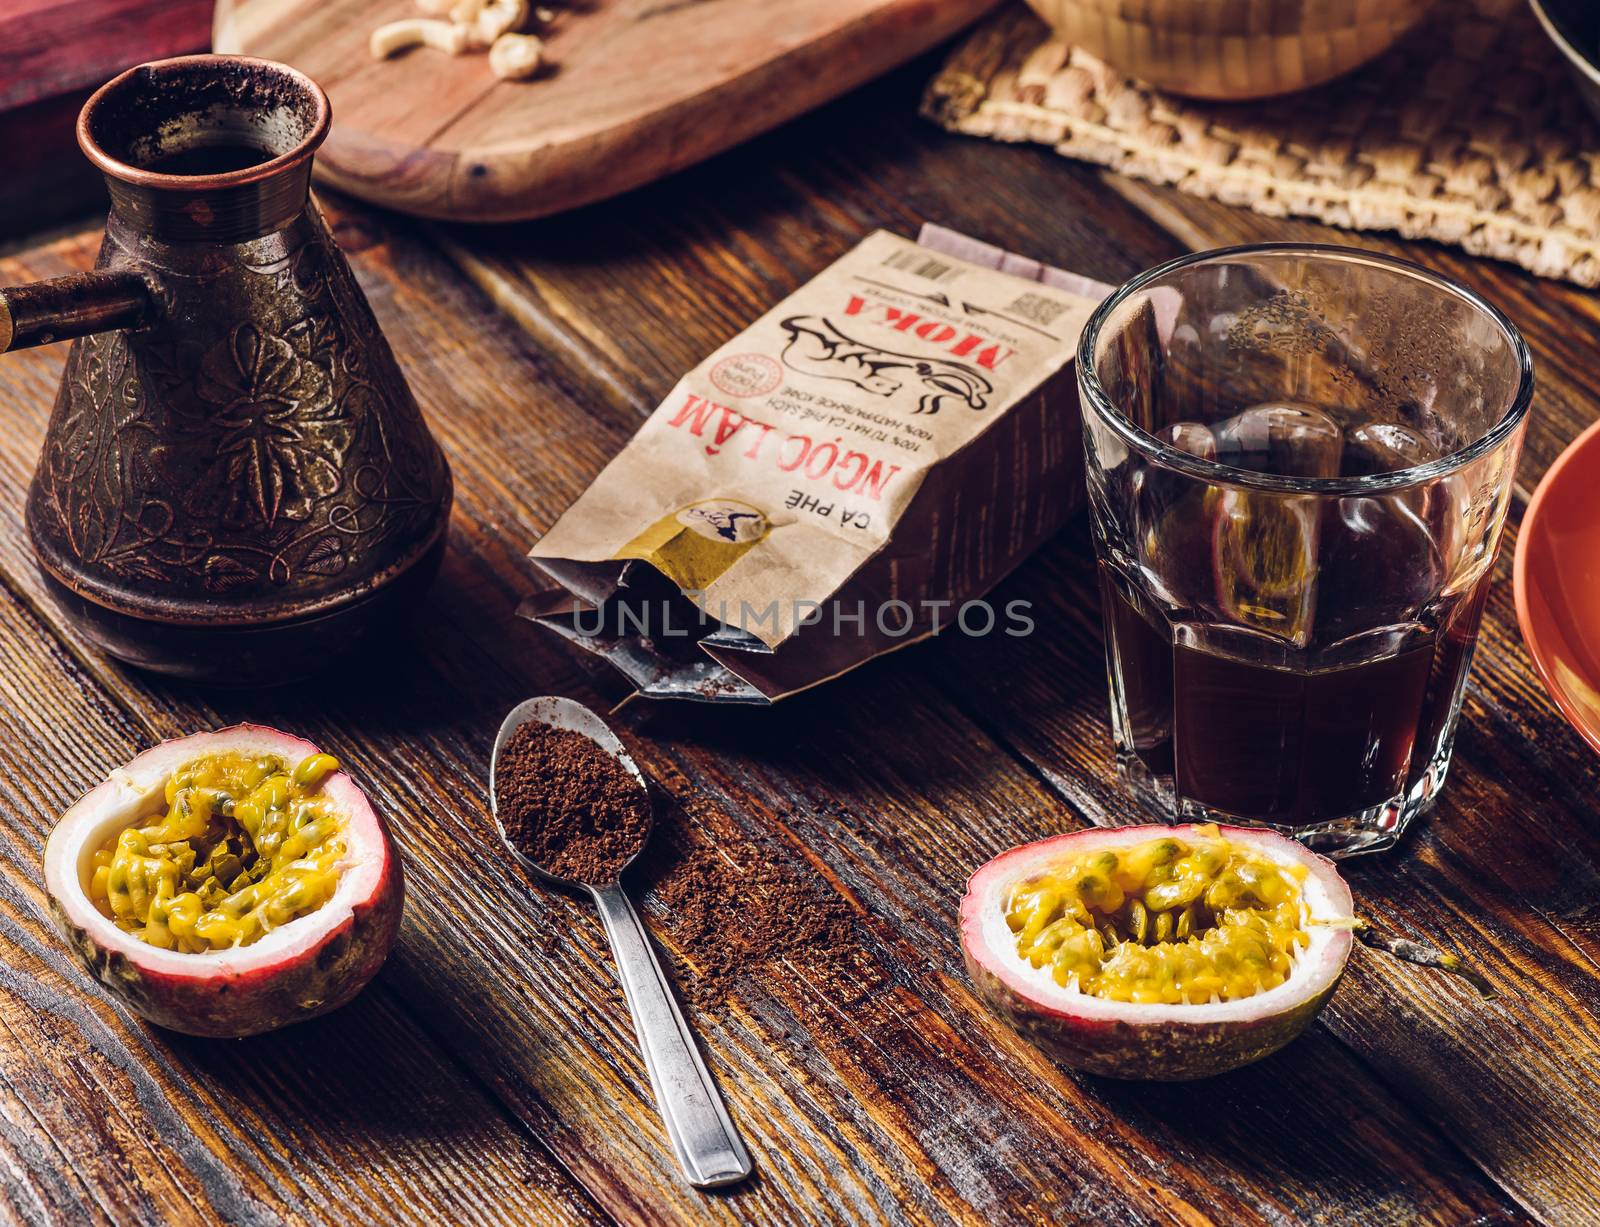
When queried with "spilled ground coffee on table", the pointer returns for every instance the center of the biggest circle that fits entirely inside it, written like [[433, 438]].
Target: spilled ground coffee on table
[[736, 911]]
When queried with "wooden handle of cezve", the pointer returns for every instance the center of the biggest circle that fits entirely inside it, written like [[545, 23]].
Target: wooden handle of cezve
[[70, 307]]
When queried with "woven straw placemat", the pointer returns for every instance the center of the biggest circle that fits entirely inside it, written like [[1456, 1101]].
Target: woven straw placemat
[[1469, 132]]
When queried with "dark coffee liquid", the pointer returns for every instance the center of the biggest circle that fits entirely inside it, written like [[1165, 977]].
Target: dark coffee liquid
[[1289, 746], [209, 160]]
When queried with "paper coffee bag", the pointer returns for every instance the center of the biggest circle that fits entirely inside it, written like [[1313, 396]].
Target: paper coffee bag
[[838, 480]]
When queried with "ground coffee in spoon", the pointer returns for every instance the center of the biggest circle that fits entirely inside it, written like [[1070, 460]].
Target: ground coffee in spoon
[[568, 805]]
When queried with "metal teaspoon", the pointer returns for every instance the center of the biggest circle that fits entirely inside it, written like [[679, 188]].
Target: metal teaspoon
[[703, 1137]]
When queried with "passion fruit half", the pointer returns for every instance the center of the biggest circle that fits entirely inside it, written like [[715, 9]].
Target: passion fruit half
[[1155, 952], [227, 883]]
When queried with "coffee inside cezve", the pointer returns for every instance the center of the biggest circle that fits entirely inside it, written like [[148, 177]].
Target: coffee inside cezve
[[569, 806], [208, 159]]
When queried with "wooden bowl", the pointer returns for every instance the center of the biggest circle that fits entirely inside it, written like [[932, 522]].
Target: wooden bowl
[[1557, 583], [1231, 50]]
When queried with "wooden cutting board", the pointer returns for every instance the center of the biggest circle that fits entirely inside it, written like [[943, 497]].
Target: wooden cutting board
[[636, 89]]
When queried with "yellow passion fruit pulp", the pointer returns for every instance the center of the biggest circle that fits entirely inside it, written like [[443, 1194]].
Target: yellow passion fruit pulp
[[227, 882], [1168, 920], [1158, 952], [247, 843], [1166, 952]]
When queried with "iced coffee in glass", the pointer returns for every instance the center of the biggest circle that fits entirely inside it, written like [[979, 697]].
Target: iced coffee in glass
[[1299, 463]]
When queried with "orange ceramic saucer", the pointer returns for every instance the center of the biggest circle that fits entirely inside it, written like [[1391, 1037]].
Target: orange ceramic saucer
[[1558, 582]]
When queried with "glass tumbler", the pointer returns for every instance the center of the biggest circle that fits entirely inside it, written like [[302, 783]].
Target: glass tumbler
[[1299, 460]]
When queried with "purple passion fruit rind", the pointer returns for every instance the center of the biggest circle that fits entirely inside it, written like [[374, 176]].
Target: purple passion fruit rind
[[307, 966], [1153, 1040]]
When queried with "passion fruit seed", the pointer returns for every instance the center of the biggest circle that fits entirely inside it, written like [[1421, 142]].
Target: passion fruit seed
[[1169, 921], [314, 769], [245, 846], [1203, 949], [1419, 953]]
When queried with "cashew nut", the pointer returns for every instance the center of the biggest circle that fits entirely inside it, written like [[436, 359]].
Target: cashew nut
[[497, 17], [435, 8], [417, 32], [515, 56]]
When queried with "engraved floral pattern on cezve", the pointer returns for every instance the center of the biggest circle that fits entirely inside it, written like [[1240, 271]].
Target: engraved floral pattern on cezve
[[259, 458]]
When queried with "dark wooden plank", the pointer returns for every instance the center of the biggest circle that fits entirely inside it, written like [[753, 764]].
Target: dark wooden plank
[[922, 1108], [1507, 867], [592, 295], [59, 182], [358, 1117], [1503, 870], [630, 292]]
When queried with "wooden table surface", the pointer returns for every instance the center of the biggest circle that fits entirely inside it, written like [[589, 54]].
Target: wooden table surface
[[490, 1073]]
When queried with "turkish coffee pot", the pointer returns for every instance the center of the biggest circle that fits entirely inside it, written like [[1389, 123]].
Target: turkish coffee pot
[[236, 482]]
